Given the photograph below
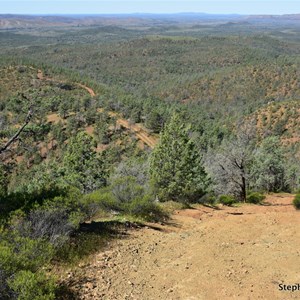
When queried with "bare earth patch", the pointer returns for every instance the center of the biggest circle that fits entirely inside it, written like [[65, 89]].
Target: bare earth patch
[[232, 253], [140, 132]]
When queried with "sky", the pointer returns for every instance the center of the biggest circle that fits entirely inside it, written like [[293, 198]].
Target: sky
[[146, 6]]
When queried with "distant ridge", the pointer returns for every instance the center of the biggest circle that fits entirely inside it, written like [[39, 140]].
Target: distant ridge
[[11, 21], [286, 17]]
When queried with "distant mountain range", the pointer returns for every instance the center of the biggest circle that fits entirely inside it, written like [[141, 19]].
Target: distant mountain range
[[31, 21]]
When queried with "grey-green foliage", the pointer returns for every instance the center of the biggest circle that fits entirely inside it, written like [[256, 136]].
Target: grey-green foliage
[[83, 168], [131, 191], [52, 225], [292, 171], [268, 169], [132, 171], [134, 167], [240, 165], [176, 169], [126, 189], [230, 165]]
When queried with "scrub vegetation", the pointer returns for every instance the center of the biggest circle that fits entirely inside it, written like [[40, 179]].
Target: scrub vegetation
[[109, 124]]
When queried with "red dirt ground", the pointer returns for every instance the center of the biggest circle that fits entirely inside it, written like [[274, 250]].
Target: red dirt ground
[[203, 253]]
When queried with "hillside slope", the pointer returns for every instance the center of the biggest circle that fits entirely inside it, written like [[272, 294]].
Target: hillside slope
[[203, 253]]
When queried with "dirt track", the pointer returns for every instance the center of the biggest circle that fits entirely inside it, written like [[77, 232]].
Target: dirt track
[[140, 132], [231, 253]]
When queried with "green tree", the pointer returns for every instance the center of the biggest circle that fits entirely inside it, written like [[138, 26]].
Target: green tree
[[58, 132], [268, 170], [175, 164], [63, 109], [154, 121], [101, 132], [82, 167]]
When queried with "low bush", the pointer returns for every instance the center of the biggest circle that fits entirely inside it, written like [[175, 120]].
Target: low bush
[[29, 242], [208, 199], [169, 207], [52, 225], [23, 253], [255, 198], [101, 200], [296, 201], [51, 229], [227, 200], [125, 196], [126, 189], [21, 260], [32, 286], [146, 208]]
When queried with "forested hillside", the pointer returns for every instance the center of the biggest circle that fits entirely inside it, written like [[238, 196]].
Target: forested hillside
[[110, 119]]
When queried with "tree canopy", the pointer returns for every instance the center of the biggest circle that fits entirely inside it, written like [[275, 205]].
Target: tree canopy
[[175, 165], [82, 167]]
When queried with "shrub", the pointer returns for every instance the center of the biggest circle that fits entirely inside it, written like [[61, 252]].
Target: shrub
[[208, 199], [137, 168], [255, 198], [146, 208], [125, 196], [32, 286], [227, 200], [169, 207], [53, 225], [21, 258], [126, 189], [90, 204], [296, 201], [22, 253], [102, 199], [68, 201]]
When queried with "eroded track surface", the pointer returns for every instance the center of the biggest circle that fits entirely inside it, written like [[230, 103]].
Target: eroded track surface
[[231, 253]]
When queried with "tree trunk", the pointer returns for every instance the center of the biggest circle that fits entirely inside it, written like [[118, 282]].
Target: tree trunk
[[244, 193]]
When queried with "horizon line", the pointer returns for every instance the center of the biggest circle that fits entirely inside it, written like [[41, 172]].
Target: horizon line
[[148, 13]]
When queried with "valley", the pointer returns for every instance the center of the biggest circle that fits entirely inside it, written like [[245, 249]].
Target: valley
[[156, 156]]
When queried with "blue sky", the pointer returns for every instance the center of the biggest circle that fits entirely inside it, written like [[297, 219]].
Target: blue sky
[[154, 6]]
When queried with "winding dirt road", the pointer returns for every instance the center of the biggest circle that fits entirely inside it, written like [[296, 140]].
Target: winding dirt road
[[140, 131], [232, 253]]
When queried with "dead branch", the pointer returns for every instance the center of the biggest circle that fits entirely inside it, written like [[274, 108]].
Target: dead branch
[[21, 129]]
